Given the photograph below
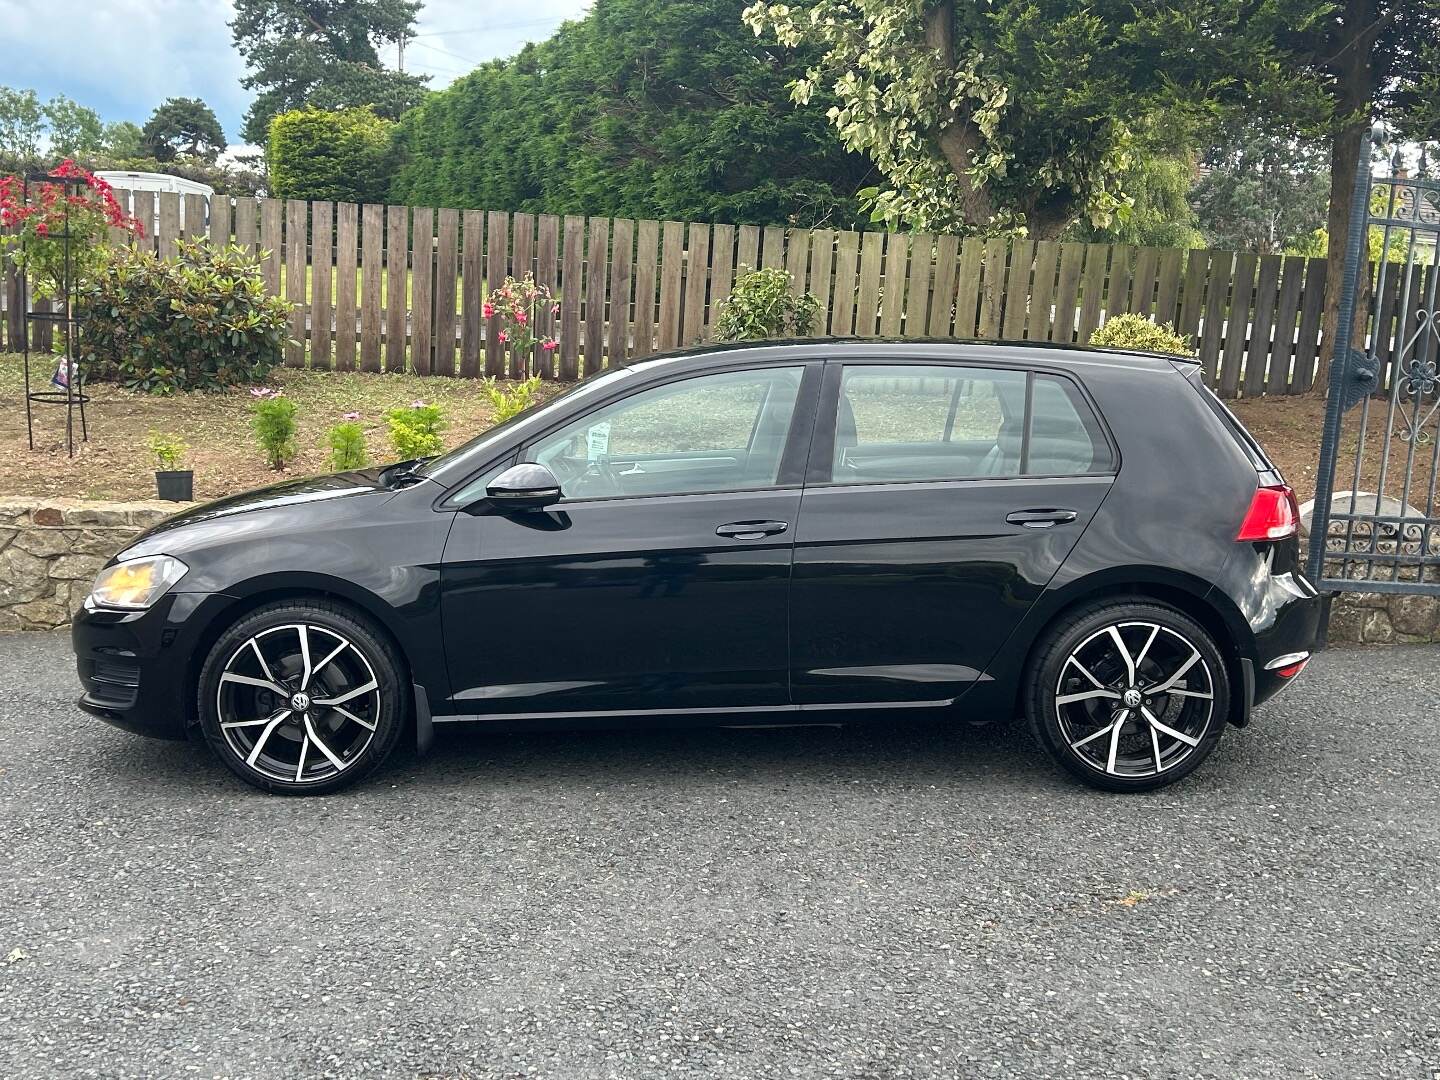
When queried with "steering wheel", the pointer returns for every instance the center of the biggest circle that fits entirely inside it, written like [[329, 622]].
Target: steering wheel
[[591, 479]]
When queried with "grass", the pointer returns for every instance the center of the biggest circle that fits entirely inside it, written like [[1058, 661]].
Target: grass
[[116, 463]]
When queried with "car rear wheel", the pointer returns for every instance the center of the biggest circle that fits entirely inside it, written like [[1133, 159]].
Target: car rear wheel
[[1128, 696], [302, 697]]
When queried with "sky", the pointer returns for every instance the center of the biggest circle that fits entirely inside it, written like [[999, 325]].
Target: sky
[[124, 57]]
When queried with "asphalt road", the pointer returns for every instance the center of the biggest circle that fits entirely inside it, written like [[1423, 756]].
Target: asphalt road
[[914, 902]]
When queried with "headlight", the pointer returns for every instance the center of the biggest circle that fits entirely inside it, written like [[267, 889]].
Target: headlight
[[136, 583]]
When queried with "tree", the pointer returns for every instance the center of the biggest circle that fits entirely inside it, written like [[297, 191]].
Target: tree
[[74, 128], [1330, 76], [1156, 211], [1004, 116], [643, 108], [1263, 190], [183, 126], [342, 156], [322, 53], [22, 122], [122, 139]]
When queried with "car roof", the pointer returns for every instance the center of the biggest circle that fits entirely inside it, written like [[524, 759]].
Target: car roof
[[791, 349]]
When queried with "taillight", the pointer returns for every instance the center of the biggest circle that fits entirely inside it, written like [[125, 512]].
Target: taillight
[[1273, 515]]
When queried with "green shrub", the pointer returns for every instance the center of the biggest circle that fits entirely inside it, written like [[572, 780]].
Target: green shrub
[[1141, 335], [273, 421], [169, 450], [198, 322], [761, 305], [347, 444], [508, 401], [342, 155], [415, 430]]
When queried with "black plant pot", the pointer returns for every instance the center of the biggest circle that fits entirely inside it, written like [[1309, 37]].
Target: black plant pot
[[176, 486]]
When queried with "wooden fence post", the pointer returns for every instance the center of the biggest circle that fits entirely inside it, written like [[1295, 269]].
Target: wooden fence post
[[347, 255], [296, 266], [398, 299]]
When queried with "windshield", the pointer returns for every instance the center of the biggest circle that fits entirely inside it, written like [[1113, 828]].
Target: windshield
[[449, 467]]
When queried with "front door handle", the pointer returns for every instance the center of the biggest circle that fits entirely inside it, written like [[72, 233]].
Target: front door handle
[[1041, 519], [751, 530]]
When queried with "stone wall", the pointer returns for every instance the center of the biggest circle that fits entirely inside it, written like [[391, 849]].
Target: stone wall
[[51, 549], [1384, 619]]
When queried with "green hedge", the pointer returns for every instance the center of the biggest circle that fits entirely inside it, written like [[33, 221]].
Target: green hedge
[[342, 155]]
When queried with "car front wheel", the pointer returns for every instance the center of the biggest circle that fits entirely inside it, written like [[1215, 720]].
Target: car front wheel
[[1128, 696], [302, 697]]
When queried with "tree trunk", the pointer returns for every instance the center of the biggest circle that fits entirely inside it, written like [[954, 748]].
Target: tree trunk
[[1355, 90], [957, 136]]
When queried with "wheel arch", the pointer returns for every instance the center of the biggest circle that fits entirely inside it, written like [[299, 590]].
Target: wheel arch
[[240, 600], [1190, 595]]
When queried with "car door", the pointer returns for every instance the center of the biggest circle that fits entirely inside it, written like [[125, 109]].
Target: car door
[[659, 581], [939, 501]]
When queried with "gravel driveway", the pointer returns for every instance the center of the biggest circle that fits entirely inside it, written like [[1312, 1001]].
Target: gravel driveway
[[919, 902]]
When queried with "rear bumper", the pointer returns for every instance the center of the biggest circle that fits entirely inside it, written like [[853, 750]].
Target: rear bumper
[[1289, 627], [135, 666]]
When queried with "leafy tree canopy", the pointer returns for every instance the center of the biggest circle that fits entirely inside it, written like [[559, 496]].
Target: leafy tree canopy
[[322, 53], [22, 122], [644, 108], [122, 139], [74, 128], [1005, 115], [1262, 190], [183, 126]]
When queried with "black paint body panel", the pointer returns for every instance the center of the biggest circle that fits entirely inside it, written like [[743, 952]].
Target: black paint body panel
[[882, 594]]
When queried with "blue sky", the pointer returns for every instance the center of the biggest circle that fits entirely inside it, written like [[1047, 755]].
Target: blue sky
[[124, 57]]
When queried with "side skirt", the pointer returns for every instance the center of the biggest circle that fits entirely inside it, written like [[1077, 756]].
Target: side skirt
[[782, 715]]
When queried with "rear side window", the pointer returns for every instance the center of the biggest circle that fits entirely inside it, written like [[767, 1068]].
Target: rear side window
[[1065, 438], [943, 422]]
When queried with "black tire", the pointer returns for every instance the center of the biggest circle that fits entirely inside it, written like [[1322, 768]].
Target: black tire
[[330, 745], [1074, 695]]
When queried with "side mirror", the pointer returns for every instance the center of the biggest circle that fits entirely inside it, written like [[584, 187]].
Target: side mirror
[[526, 486]]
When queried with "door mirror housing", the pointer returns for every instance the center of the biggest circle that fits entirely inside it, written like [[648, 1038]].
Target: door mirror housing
[[527, 486]]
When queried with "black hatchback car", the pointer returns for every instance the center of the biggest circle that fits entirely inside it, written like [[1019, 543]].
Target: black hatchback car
[[783, 532]]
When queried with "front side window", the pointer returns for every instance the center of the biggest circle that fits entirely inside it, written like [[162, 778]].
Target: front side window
[[719, 432], [913, 423]]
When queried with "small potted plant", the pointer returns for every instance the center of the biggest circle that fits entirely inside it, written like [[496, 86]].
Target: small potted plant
[[172, 483]]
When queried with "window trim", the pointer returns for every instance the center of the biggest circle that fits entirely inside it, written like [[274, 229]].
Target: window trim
[[820, 466], [792, 455]]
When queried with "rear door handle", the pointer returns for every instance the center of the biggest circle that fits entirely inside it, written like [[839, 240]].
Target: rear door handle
[[751, 530], [1041, 519]]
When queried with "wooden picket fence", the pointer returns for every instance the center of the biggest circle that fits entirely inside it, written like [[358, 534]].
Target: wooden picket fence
[[631, 288]]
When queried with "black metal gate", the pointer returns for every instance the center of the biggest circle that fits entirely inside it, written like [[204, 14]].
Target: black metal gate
[[1375, 526]]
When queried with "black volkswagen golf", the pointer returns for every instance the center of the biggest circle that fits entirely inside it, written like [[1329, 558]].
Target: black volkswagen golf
[[783, 532]]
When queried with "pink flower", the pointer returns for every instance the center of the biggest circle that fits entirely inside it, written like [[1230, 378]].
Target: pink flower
[[504, 336], [417, 404], [549, 344], [264, 393], [521, 318], [487, 310], [555, 309], [350, 416]]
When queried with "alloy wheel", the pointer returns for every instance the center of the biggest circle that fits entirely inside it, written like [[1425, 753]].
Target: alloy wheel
[[1134, 699], [298, 703]]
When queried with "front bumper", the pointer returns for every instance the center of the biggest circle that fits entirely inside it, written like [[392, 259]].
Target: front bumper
[[136, 667]]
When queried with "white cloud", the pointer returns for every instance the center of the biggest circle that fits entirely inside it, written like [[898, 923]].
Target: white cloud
[[455, 36], [124, 57]]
